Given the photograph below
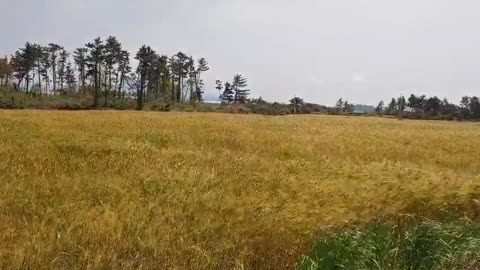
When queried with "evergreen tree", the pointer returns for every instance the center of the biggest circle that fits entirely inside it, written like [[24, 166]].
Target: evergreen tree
[[70, 76], [296, 103], [80, 58], [62, 65], [94, 65], [145, 57], [347, 107], [178, 64], [165, 75], [46, 65], [23, 62], [53, 50], [202, 67], [38, 52], [339, 105], [228, 93], [401, 104], [474, 107], [219, 87], [124, 69], [392, 107], [192, 78], [379, 108], [112, 51], [432, 105], [239, 87]]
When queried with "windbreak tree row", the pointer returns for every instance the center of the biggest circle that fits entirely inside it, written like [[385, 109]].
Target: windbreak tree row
[[102, 69]]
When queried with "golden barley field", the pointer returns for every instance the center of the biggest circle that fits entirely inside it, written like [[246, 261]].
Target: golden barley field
[[144, 190]]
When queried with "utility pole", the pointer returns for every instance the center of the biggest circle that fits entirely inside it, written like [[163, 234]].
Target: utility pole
[[401, 106], [295, 104]]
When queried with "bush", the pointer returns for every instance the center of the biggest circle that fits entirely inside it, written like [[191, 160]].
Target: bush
[[120, 104], [202, 107], [235, 108], [7, 102], [160, 107]]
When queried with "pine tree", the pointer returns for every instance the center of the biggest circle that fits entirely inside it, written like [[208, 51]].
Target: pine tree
[[46, 65], [179, 64], [165, 74], [296, 104], [23, 62], [62, 65], [401, 104], [192, 78], [53, 50], [202, 67], [379, 108], [80, 58], [392, 107], [124, 69], [112, 52], [339, 105], [228, 93], [94, 64], [38, 52], [239, 87], [70, 76], [219, 87], [145, 57]]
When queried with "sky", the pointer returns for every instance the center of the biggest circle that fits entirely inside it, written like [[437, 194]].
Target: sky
[[361, 50]]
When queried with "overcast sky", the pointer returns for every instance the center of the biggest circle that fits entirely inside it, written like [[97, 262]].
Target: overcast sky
[[363, 51]]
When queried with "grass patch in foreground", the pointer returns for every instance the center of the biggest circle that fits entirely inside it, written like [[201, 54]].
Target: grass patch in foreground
[[428, 245]]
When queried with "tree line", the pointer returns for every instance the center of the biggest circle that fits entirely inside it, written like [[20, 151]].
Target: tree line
[[102, 70], [431, 107]]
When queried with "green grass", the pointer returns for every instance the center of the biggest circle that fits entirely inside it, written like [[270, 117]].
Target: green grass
[[427, 245]]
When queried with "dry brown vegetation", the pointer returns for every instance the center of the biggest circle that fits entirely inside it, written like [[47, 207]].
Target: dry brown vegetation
[[124, 190]]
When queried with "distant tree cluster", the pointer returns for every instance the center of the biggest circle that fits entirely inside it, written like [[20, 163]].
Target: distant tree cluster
[[431, 107], [296, 106], [35, 65], [174, 80], [234, 92], [343, 106], [102, 69]]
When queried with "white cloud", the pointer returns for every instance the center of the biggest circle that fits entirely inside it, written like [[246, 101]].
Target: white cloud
[[358, 78], [315, 81]]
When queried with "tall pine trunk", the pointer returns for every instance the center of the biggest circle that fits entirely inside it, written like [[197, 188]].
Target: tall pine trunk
[[120, 86], [28, 82], [106, 87], [116, 84], [39, 78], [54, 76], [173, 89], [140, 93], [96, 85]]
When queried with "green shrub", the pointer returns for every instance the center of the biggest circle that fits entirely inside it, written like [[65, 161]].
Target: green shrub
[[119, 104]]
